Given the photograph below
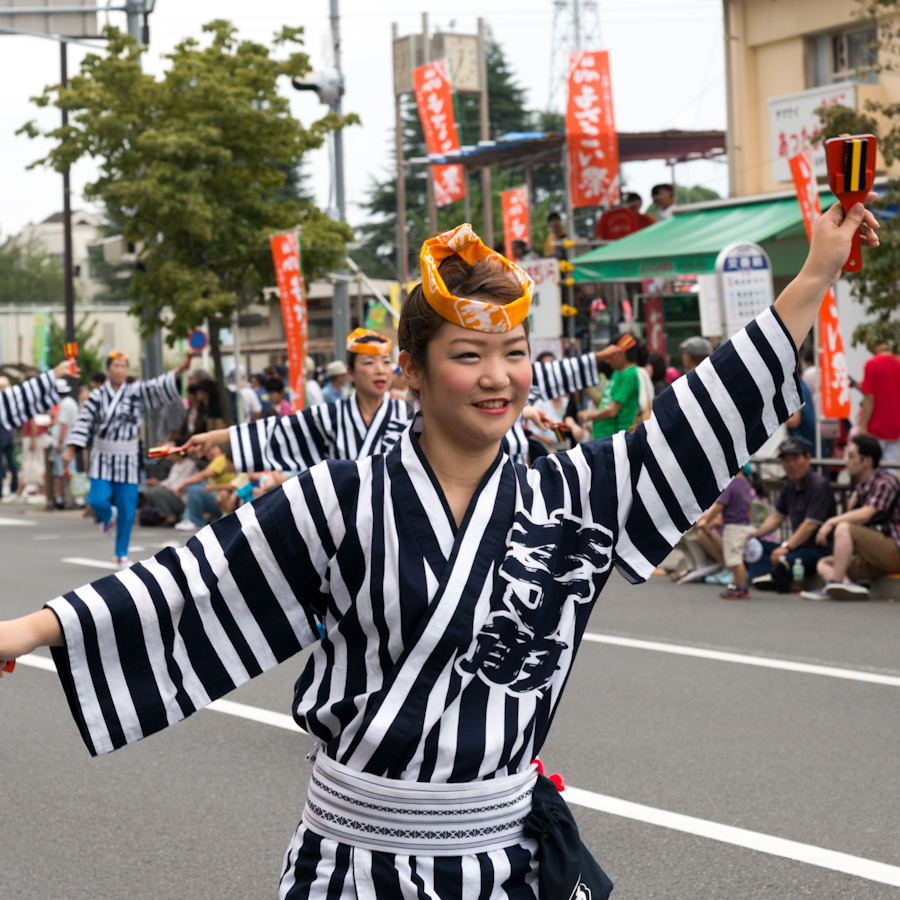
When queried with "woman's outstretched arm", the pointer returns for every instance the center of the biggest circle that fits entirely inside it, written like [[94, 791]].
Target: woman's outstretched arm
[[25, 635]]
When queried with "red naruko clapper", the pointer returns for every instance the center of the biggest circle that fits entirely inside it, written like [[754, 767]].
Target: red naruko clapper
[[9, 666], [851, 171], [163, 450]]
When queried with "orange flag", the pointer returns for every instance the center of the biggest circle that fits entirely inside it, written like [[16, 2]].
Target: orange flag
[[292, 291], [514, 203], [833, 377]]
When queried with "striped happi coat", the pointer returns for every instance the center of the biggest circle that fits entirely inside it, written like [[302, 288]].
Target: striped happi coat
[[338, 431], [22, 401], [123, 425], [370, 549]]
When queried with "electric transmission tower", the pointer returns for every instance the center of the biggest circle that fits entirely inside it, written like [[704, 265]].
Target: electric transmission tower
[[576, 26]]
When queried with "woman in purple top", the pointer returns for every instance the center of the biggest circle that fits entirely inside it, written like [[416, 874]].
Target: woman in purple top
[[728, 548]]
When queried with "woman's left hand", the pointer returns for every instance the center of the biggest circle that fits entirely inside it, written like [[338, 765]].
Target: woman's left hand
[[538, 417]]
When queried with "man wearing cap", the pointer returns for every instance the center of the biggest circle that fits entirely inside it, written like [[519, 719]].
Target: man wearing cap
[[617, 405], [66, 417], [693, 351], [337, 378], [808, 501]]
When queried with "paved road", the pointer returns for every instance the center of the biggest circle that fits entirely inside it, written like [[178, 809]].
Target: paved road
[[206, 810]]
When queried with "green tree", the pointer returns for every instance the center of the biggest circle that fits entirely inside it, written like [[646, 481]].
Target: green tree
[[376, 248], [192, 171], [90, 358], [876, 285], [28, 274]]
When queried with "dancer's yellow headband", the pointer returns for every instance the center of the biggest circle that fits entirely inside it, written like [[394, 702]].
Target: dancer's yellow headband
[[355, 344], [475, 314]]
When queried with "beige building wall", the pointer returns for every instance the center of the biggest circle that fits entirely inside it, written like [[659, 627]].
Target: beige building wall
[[767, 56]]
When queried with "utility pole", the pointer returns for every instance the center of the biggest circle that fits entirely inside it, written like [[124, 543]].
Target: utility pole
[[488, 230], [340, 309], [68, 266], [432, 202], [402, 244]]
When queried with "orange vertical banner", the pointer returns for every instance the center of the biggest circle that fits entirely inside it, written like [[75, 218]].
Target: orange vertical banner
[[593, 145], [292, 291], [514, 204], [434, 99], [833, 377]]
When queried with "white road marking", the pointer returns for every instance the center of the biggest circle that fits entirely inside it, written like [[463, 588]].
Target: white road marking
[[715, 831], [740, 837], [787, 665], [93, 563], [7, 521]]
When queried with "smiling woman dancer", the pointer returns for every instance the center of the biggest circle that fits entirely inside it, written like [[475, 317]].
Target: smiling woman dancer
[[453, 586], [370, 422]]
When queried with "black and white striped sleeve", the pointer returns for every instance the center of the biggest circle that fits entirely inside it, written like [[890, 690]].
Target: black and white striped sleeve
[[82, 431], [563, 376], [148, 646], [156, 392], [22, 401], [285, 443], [703, 429]]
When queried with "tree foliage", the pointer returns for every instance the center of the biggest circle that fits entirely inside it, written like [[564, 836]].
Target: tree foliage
[[193, 169], [877, 285], [90, 356], [28, 274]]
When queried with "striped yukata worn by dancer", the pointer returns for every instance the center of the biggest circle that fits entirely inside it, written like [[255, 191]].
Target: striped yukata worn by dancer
[[110, 423], [338, 431], [22, 401], [445, 649]]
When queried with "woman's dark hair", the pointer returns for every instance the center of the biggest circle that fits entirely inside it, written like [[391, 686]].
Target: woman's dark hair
[[419, 323], [658, 361], [365, 339]]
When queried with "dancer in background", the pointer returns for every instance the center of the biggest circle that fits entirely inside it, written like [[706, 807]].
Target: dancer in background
[[33, 396], [453, 586], [110, 423]]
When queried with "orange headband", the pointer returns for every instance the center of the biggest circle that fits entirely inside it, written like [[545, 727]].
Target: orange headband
[[477, 315], [115, 354], [376, 348]]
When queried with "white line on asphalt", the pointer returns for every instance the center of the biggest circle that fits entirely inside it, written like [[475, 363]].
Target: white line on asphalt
[[787, 665], [740, 837], [93, 563], [727, 834], [5, 521]]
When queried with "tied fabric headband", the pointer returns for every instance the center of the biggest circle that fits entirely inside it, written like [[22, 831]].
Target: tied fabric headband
[[478, 315], [115, 354], [376, 348]]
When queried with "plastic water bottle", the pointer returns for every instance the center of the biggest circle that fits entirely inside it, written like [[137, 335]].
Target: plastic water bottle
[[798, 573]]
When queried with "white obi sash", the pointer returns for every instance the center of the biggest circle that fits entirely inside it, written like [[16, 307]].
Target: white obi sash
[[116, 448], [414, 818]]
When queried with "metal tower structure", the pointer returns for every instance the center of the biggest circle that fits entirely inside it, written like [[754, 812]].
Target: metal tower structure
[[576, 26]]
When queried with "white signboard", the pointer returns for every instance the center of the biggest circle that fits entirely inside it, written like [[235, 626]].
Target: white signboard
[[710, 306], [745, 284], [546, 306], [793, 124]]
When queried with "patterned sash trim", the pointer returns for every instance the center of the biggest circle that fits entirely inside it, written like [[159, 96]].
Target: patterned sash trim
[[414, 818]]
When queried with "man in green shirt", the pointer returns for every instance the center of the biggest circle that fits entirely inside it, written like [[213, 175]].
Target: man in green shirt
[[617, 406]]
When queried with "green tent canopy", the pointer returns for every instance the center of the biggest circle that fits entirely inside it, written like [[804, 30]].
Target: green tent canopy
[[688, 243]]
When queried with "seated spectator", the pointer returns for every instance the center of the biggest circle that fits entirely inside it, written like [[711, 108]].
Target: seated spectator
[[634, 202], [279, 405], [862, 549], [663, 197], [693, 351], [163, 496], [219, 470], [333, 390], [807, 500], [733, 506]]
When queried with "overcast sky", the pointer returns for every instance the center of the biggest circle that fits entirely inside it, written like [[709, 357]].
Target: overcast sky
[[666, 58]]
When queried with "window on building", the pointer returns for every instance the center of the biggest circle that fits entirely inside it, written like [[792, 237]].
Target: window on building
[[843, 56]]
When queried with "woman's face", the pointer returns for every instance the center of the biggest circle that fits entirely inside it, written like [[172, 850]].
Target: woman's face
[[371, 374], [475, 384]]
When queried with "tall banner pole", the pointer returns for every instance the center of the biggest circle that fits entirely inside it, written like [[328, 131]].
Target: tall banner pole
[[292, 292]]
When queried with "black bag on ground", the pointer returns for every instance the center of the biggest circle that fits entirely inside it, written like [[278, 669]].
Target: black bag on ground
[[567, 871]]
